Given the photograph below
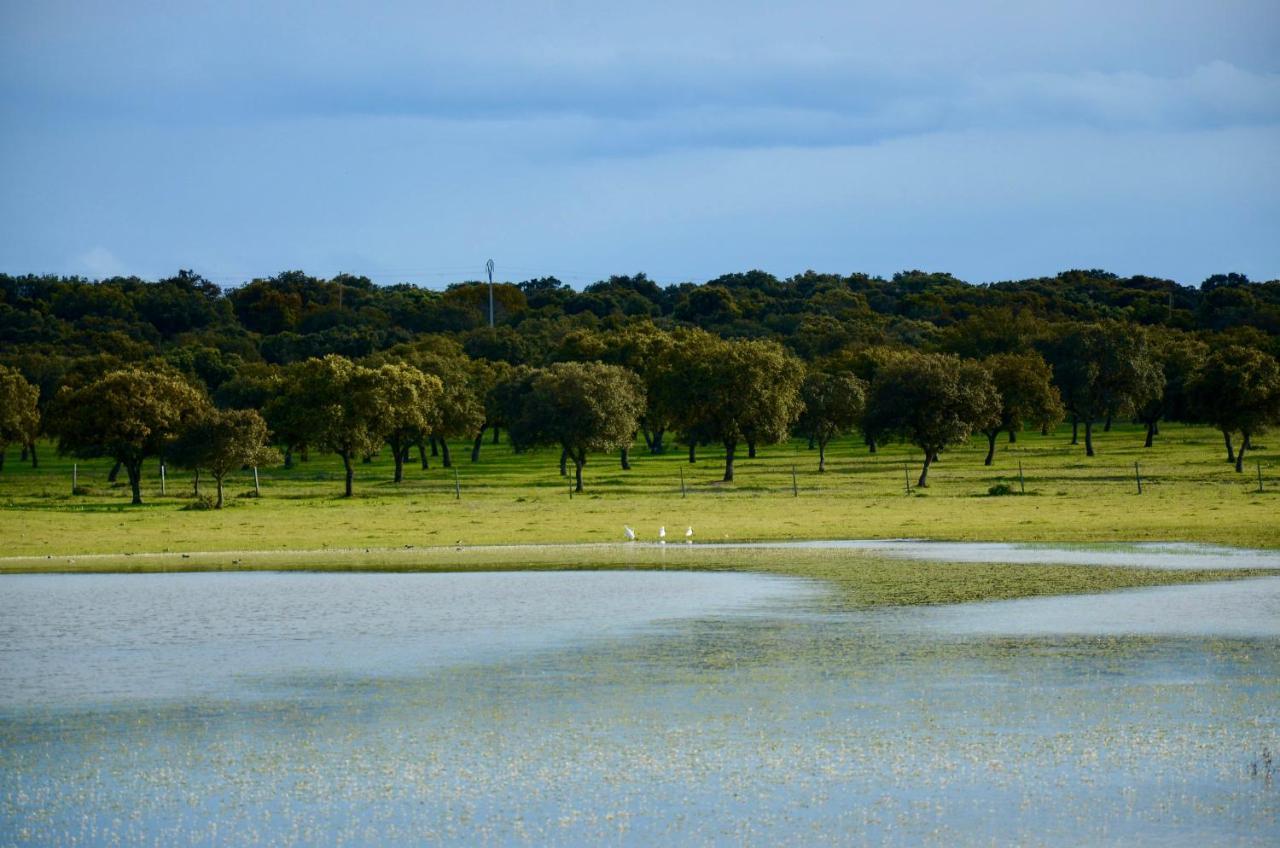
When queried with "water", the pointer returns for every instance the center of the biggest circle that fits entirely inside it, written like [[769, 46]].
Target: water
[[628, 708], [69, 640]]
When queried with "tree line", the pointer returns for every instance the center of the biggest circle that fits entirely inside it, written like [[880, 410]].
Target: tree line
[[640, 383]]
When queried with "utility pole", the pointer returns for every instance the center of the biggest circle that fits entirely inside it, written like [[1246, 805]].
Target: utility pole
[[488, 266]]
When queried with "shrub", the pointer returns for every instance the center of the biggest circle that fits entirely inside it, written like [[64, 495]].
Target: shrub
[[200, 504]]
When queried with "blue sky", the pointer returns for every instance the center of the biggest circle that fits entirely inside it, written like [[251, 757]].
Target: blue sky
[[412, 141]]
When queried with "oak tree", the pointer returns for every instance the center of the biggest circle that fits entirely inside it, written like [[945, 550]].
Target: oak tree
[[221, 441], [933, 401], [129, 415], [1024, 382], [1238, 391], [833, 405], [19, 410], [580, 406]]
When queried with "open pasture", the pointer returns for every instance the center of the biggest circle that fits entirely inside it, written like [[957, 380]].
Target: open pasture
[[1189, 493]]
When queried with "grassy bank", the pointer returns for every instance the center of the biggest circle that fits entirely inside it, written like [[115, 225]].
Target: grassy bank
[[862, 577], [1189, 493], [434, 521]]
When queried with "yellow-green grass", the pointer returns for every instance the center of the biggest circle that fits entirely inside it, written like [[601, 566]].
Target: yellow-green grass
[[1189, 493], [511, 501]]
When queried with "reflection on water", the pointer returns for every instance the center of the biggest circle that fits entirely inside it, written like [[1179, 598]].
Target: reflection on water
[[67, 639], [727, 712]]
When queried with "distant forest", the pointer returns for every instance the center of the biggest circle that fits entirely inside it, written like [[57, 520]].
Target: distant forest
[[208, 333]]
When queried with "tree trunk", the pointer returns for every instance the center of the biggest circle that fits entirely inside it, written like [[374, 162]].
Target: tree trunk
[[871, 445], [346, 464], [288, 457], [496, 433], [445, 459], [23, 457], [812, 440], [923, 482], [304, 453], [1151, 434], [1155, 426], [399, 472], [1075, 430], [1, 459], [35, 457], [564, 462], [693, 453], [134, 470], [195, 484], [422, 455], [114, 473], [579, 460], [657, 441], [367, 459], [822, 456], [1106, 424], [648, 438], [1013, 436], [218, 479], [435, 446], [1244, 443], [991, 446], [475, 448], [626, 459], [729, 449], [751, 448], [1088, 437], [1044, 429], [1231, 454]]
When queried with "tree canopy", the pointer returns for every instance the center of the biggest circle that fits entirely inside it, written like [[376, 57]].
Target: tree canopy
[[19, 410], [934, 401], [1024, 383], [1238, 391], [581, 407], [221, 441], [337, 406], [731, 391], [129, 415], [833, 404]]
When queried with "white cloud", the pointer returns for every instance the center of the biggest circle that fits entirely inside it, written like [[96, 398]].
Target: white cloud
[[99, 263]]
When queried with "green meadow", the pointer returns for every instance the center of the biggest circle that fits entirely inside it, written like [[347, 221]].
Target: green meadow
[[483, 516]]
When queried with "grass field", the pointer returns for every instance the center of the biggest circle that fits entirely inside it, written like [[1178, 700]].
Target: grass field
[[1189, 493]]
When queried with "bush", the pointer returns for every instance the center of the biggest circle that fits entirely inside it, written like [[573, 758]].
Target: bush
[[249, 494], [1000, 489], [200, 504], [80, 490]]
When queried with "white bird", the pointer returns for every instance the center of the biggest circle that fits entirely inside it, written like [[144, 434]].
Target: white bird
[[688, 535], [662, 535], [631, 534]]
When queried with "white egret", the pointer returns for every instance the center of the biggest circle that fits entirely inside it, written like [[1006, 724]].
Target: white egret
[[688, 535], [631, 534], [662, 535]]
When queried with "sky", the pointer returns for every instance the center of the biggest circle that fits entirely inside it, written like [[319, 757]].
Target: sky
[[411, 141]]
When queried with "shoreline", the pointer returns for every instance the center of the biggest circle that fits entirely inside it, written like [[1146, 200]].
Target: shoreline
[[862, 576]]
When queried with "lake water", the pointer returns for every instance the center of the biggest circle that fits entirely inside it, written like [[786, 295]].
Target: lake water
[[569, 708]]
